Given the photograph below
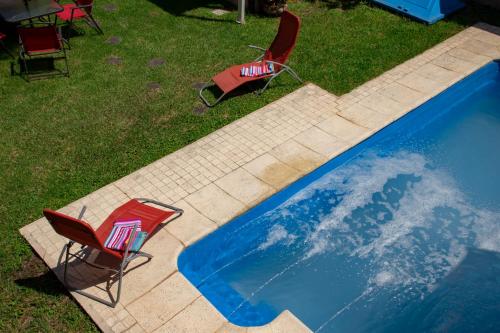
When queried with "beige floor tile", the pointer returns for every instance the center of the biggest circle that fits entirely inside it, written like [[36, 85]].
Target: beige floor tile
[[260, 329], [438, 74], [463, 54], [136, 329], [365, 117], [489, 37], [272, 171], [198, 317], [245, 187], [402, 94], [382, 104], [191, 226], [215, 204], [138, 281], [344, 129], [163, 302], [231, 328], [422, 84], [482, 48], [286, 322], [454, 64], [320, 142], [298, 156]]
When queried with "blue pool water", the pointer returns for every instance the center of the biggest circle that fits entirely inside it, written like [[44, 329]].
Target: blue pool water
[[399, 234]]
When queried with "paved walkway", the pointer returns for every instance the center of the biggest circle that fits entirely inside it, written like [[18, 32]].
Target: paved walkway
[[225, 173]]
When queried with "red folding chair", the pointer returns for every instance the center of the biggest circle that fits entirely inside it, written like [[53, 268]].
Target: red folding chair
[[79, 10], [43, 41], [79, 231], [277, 54], [2, 44]]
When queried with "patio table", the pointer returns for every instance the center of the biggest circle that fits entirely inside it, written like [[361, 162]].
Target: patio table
[[14, 11]]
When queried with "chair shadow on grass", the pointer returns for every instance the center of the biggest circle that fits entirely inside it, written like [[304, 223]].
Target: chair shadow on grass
[[181, 8], [81, 276]]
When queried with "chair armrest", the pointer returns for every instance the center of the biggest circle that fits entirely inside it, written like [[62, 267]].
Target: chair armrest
[[257, 47], [161, 204], [278, 63], [80, 216], [260, 49]]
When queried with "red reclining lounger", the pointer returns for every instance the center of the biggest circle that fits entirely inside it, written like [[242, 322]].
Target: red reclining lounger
[[79, 231], [277, 54]]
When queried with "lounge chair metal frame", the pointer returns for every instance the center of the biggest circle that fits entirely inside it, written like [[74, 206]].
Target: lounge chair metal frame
[[127, 258]]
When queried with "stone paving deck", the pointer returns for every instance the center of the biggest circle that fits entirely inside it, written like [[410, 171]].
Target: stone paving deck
[[225, 173]]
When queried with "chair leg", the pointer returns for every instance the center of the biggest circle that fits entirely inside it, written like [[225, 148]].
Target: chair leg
[[119, 291], [67, 74], [207, 103], [293, 74], [95, 25], [68, 247], [114, 301], [288, 70], [260, 91], [26, 71], [144, 254]]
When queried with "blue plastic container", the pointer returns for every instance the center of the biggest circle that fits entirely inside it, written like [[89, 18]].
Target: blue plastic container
[[429, 11]]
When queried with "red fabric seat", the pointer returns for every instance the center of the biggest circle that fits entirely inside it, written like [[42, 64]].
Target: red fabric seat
[[70, 9], [2, 36], [40, 40], [229, 79], [82, 233]]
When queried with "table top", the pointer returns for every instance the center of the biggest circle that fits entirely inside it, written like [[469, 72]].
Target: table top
[[19, 10]]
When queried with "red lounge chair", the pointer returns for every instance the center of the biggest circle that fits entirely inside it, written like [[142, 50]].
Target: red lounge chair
[[277, 54], [80, 10], [79, 231], [41, 41]]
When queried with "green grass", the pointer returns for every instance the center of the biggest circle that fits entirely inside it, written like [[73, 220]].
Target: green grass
[[63, 138]]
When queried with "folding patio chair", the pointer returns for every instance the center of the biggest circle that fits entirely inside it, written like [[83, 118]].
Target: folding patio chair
[[277, 55], [41, 41], [79, 10], [2, 44], [79, 231]]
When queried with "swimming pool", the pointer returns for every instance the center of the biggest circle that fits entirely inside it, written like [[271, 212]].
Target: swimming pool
[[399, 234]]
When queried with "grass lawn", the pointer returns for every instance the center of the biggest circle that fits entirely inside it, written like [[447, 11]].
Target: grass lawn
[[63, 138]]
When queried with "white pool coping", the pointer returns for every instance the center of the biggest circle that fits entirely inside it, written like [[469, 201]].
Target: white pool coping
[[230, 170]]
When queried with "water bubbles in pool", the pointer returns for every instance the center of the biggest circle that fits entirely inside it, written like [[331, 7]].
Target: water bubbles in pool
[[397, 209], [383, 278], [276, 234]]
